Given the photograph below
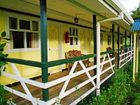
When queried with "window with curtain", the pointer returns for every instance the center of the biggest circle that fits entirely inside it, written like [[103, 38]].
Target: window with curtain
[[23, 33]]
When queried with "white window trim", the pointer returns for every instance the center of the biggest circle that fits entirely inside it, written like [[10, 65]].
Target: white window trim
[[21, 17], [74, 45]]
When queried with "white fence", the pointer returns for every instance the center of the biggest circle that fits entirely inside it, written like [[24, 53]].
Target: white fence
[[125, 56], [66, 79]]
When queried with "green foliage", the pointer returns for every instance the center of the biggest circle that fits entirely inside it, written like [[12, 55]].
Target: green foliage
[[3, 99], [3, 41], [117, 92], [136, 13]]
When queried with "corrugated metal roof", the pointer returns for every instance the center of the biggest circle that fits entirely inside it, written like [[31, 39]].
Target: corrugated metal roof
[[136, 26]]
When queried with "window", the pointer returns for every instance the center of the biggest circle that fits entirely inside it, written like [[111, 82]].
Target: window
[[24, 24], [109, 40], [23, 33], [12, 23], [32, 38], [18, 39], [73, 36]]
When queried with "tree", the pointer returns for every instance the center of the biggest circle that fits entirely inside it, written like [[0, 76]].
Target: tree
[[136, 13]]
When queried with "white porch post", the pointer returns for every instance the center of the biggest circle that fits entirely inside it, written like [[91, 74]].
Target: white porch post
[[134, 59], [137, 55], [98, 59]]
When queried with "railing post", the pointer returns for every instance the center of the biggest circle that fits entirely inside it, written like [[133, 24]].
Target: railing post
[[44, 53], [98, 60], [118, 63]]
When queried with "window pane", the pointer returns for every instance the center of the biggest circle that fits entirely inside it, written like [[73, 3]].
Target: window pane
[[71, 40], [34, 26], [32, 40], [17, 39], [73, 32], [109, 40], [24, 24], [76, 32], [12, 23], [76, 41]]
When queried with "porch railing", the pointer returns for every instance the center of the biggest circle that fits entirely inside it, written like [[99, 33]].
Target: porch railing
[[126, 55], [107, 60]]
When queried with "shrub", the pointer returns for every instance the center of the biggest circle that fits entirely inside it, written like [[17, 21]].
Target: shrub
[[3, 41], [117, 92], [3, 99]]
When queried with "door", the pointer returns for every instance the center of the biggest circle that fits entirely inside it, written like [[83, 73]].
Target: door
[[54, 43]]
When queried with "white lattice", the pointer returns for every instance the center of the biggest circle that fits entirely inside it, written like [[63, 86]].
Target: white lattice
[[125, 57], [66, 79]]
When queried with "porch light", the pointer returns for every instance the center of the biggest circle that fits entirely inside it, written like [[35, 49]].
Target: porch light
[[76, 19]]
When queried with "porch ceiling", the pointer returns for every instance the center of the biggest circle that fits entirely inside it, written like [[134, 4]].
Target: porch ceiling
[[66, 9]]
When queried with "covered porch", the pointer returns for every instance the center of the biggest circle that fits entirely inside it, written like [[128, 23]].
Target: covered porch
[[70, 87]]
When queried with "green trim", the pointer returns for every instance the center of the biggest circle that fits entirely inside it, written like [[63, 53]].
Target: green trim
[[106, 52], [44, 46], [49, 64], [125, 37], [113, 33], [118, 46], [94, 40], [130, 39], [23, 62], [113, 40], [70, 60], [52, 63]]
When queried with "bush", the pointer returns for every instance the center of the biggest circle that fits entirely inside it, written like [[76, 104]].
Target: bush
[[3, 99], [3, 42], [117, 92]]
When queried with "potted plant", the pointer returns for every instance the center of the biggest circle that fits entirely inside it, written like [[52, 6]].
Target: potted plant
[[3, 41]]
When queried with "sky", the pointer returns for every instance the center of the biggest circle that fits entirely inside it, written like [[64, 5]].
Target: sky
[[130, 4]]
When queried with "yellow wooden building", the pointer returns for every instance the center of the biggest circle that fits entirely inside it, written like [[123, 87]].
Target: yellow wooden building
[[89, 26]]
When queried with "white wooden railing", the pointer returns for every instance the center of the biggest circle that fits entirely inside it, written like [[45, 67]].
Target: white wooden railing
[[66, 79], [125, 56]]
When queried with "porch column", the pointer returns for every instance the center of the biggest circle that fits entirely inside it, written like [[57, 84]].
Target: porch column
[[44, 53], [118, 46], [113, 32], [130, 39], [134, 59], [94, 36], [98, 59], [137, 49], [125, 38]]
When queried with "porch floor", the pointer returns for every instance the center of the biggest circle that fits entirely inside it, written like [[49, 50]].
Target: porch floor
[[55, 90]]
